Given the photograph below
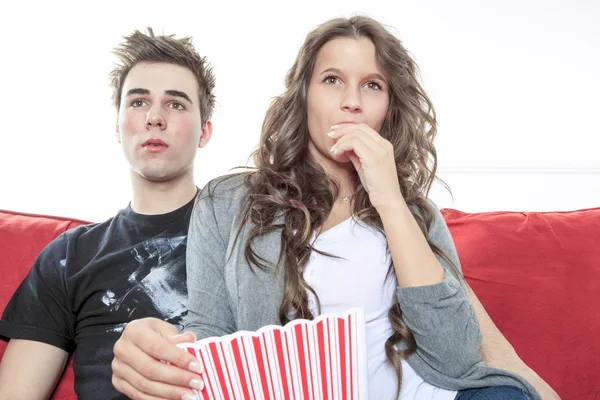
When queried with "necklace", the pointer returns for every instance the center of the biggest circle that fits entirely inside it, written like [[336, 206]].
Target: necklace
[[346, 199]]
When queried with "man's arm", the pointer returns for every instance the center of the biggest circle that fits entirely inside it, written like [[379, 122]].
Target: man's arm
[[497, 352], [30, 370]]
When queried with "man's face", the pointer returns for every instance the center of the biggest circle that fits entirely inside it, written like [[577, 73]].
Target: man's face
[[159, 125]]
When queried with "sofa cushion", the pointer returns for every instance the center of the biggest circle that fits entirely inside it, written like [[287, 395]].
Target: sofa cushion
[[538, 276], [22, 238]]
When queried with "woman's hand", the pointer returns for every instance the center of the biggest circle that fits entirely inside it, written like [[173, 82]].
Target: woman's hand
[[137, 371], [373, 159]]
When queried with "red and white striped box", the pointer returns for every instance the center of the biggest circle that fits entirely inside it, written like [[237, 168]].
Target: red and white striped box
[[323, 359]]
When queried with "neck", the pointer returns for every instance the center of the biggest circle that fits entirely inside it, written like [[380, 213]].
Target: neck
[[153, 198]]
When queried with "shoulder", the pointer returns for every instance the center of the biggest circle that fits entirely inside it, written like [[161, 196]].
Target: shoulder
[[88, 234], [77, 245], [220, 202], [224, 194], [227, 187]]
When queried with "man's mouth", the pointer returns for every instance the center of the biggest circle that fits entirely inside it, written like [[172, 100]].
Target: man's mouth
[[154, 143]]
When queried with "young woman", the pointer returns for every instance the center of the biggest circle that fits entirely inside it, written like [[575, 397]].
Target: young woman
[[335, 216]]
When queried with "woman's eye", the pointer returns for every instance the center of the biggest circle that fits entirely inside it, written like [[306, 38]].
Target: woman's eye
[[374, 85], [331, 80]]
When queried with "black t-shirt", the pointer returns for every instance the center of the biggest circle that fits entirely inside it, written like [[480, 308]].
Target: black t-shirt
[[90, 281]]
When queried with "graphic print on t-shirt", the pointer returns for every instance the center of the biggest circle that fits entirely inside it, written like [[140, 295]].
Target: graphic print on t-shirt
[[154, 279]]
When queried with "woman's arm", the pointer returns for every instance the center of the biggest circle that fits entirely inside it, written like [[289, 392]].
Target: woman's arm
[[209, 309], [434, 303]]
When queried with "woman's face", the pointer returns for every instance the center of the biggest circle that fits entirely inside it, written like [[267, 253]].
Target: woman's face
[[347, 86]]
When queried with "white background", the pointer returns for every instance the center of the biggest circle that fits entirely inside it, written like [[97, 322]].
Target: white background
[[515, 83]]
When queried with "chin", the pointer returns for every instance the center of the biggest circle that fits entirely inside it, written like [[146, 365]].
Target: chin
[[156, 178], [156, 174]]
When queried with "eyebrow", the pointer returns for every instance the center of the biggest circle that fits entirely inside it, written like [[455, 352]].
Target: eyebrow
[[178, 93], [137, 91], [146, 92], [339, 71]]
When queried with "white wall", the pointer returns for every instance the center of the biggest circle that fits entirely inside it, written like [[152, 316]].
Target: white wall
[[515, 85]]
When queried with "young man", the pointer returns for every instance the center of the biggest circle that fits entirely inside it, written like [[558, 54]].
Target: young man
[[89, 282]]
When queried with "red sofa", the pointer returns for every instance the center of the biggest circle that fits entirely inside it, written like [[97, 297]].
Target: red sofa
[[537, 274]]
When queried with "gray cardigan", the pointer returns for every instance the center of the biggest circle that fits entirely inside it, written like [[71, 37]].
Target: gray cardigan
[[226, 296]]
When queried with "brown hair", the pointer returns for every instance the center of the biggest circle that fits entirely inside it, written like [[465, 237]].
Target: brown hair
[[140, 47], [289, 182]]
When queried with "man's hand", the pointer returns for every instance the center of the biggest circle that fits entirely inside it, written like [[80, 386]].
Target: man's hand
[[137, 371]]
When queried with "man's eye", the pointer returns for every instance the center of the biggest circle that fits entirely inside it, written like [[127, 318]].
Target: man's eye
[[177, 106], [138, 103]]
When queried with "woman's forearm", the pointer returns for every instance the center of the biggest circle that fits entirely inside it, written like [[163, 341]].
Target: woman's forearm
[[414, 261]]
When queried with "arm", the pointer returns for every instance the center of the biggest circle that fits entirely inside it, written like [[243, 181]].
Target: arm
[[39, 322], [498, 352], [414, 262], [437, 311], [434, 304], [30, 370], [209, 311]]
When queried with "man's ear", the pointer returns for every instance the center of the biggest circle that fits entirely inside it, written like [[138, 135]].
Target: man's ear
[[206, 134]]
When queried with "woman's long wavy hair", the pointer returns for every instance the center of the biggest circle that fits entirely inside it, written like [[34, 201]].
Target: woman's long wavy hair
[[288, 182]]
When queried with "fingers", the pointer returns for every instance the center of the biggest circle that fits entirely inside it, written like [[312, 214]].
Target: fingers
[[161, 327], [354, 143], [151, 338], [340, 130], [127, 381], [136, 366], [363, 140], [130, 356], [186, 337]]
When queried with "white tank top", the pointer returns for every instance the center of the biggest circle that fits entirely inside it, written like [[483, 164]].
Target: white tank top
[[360, 279]]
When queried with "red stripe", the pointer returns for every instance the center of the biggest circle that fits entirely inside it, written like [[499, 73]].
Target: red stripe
[[321, 355], [219, 370], [342, 347], [270, 369], [351, 356], [289, 357], [281, 361], [191, 351], [302, 365], [261, 364], [207, 384], [230, 368], [332, 355], [237, 355], [247, 359]]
